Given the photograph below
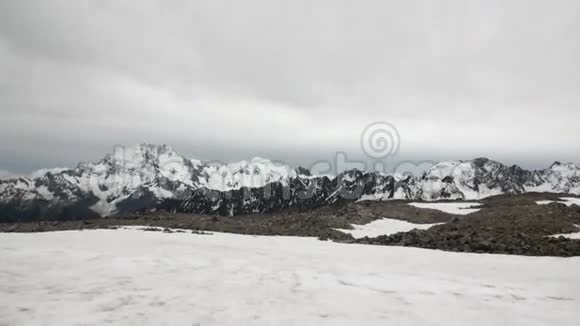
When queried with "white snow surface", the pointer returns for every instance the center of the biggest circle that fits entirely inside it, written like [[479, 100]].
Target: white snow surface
[[376, 196], [573, 235], [129, 277], [385, 226], [253, 174], [464, 176], [568, 201], [461, 208]]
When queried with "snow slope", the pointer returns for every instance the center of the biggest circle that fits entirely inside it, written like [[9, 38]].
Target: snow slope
[[559, 177], [385, 226], [568, 201], [253, 174], [573, 235], [125, 277], [461, 208]]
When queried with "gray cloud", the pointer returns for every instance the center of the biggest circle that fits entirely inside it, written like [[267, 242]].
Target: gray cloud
[[292, 80], [6, 174]]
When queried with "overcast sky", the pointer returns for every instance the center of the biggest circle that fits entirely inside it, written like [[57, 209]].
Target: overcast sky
[[290, 80]]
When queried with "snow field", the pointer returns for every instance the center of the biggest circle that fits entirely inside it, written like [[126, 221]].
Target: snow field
[[568, 201], [131, 277], [459, 208], [385, 226]]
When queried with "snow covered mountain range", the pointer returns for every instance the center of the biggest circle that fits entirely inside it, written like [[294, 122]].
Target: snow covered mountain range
[[151, 177]]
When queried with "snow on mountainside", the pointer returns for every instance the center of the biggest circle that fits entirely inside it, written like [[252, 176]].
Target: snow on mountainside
[[144, 171], [559, 178], [475, 179], [480, 178], [149, 177], [256, 173]]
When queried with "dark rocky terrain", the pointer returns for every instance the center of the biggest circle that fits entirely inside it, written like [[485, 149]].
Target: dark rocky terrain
[[284, 224], [507, 224]]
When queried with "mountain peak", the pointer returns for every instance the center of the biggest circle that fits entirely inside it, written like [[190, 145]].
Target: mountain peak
[[143, 154], [480, 161], [555, 164], [43, 172], [258, 159], [563, 166], [303, 171]]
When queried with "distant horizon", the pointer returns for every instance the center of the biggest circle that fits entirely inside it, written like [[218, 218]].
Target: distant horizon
[[390, 162]]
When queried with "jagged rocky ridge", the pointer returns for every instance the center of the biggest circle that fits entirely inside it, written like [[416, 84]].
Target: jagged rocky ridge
[[151, 177]]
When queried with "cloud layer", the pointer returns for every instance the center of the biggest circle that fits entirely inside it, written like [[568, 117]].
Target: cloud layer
[[292, 80]]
